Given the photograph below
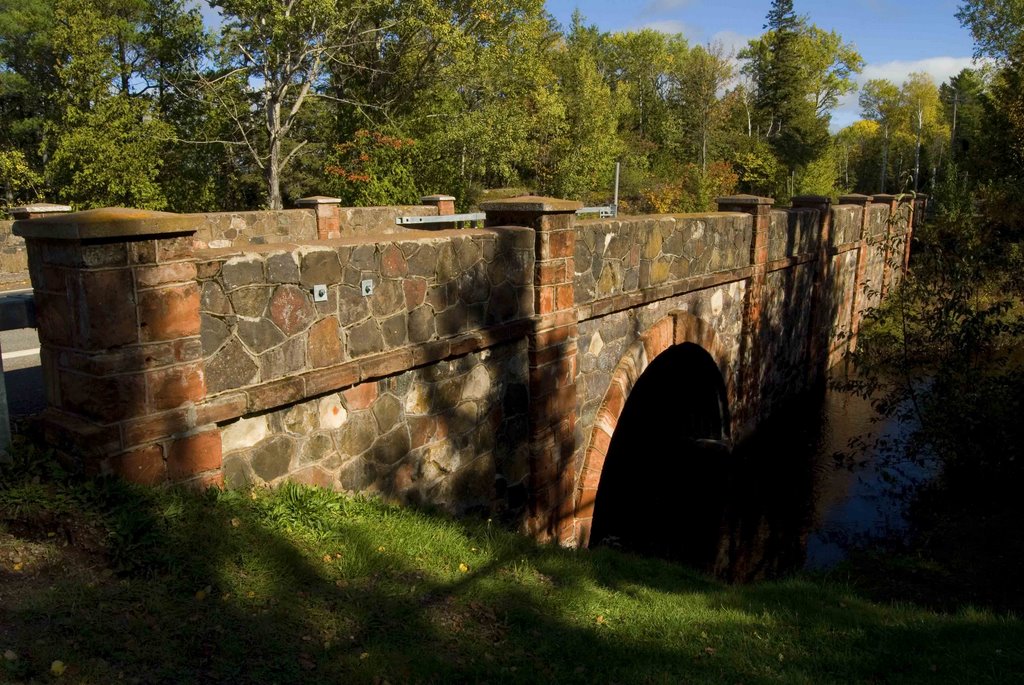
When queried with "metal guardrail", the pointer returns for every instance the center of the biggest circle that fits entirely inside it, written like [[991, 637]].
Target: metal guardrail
[[445, 219], [605, 211]]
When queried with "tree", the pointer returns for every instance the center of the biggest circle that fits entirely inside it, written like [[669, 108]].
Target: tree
[[105, 144], [921, 97], [829, 66], [776, 62], [704, 72], [880, 102], [586, 144], [28, 76], [282, 51], [995, 24]]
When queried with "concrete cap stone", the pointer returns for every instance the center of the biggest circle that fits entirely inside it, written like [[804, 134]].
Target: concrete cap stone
[[318, 200], [38, 208], [884, 197], [533, 204], [854, 199], [811, 200], [745, 200], [109, 222], [437, 198]]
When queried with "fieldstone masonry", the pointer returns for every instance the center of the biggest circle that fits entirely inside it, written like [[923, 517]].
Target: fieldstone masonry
[[481, 370]]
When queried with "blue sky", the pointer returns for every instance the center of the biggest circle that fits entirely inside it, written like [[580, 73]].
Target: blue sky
[[894, 37]]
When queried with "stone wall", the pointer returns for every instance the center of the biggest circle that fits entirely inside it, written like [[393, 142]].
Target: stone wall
[[362, 221], [452, 434], [13, 256], [792, 232], [242, 229], [616, 257], [260, 323], [226, 229]]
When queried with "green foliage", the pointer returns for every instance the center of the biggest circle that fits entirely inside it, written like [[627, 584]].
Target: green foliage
[[110, 155], [20, 184], [995, 24], [373, 169]]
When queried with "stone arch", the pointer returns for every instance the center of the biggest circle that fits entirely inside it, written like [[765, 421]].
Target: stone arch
[[675, 329]]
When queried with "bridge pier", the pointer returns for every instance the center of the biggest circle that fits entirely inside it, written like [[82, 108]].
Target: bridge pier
[[552, 349]]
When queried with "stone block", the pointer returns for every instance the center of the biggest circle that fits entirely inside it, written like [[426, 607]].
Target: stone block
[[393, 263], [250, 301], [365, 338], [291, 308], [325, 347], [283, 268], [320, 266], [361, 396], [259, 335], [213, 300], [283, 360], [173, 386], [193, 455], [273, 457], [212, 333], [230, 367], [169, 313], [143, 466], [244, 433]]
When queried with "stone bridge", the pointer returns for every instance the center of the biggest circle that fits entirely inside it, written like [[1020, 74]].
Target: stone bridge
[[475, 369]]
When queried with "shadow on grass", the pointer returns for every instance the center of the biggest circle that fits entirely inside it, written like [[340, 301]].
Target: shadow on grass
[[296, 584]]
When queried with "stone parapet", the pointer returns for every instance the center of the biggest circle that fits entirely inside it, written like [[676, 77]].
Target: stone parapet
[[627, 255], [261, 323]]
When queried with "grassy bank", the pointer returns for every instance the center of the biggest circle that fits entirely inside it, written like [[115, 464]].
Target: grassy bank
[[132, 585]]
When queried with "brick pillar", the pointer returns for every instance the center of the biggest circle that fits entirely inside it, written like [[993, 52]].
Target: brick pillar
[[552, 359], [864, 202], [37, 211], [445, 203], [328, 215], [746, 415], [118, 313]]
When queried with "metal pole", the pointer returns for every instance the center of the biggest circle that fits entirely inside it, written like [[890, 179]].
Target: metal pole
[[615, 204]]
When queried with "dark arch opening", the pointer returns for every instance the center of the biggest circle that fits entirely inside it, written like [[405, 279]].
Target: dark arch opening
[[667, 466]]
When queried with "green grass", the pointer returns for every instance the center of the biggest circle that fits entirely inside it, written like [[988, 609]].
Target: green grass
[[125, 584]]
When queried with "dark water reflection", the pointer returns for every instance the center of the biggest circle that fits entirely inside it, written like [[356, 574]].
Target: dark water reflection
[[780, 502]]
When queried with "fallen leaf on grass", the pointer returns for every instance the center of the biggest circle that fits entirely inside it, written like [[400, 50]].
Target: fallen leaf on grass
[[463, 568], [57, 668], [10, 655], [600, 620]]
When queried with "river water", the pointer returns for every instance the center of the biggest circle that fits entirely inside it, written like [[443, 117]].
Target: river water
[[796, 495], [801, 497]]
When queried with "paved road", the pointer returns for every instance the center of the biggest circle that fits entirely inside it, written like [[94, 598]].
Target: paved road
[[22, 373]]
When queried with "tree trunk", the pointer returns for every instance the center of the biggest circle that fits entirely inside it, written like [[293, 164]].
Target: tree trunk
[[885, 157], [917, 150], [273, 173], [272, 170]]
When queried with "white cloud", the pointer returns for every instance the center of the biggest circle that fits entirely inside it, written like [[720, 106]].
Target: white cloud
[[671, 26], [732, 42], [655, 7], [897, 71]]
